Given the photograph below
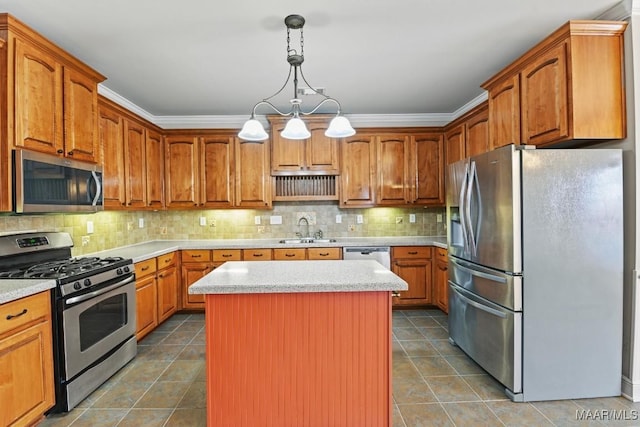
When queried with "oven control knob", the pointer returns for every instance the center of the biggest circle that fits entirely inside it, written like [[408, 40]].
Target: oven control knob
[[127, 269], [87, 282], [77, 286], [119, 271]]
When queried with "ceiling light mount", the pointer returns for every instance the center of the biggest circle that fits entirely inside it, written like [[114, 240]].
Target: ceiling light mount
[[295, 127]]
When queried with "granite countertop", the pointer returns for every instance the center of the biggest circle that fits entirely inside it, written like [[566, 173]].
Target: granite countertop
[[12, 289], [242, 277]]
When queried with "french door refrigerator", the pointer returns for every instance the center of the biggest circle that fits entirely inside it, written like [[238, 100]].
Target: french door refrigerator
[[535, 269]]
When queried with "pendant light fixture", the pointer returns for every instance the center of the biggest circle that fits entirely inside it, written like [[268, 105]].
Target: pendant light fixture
[[339, 127]]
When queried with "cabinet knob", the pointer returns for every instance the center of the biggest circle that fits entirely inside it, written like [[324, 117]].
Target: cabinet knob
[[70, 153], [395, 294], [60, 151]]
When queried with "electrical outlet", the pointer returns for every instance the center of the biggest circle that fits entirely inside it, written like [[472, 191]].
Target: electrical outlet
[[412, 218], [359, 219], [352, 227], [129, 225], [261, 229], [140, 222], [439, 218], [89, 227], [212, 222], [85, 240], [163, 230], [398, 220]]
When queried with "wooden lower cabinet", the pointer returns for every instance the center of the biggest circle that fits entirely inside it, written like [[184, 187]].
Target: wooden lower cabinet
[[195, 265], [441, 280], [146, 297], [414, 265], [168, 278], [26, 360], [257, 254], [324, 253], [293, 254]]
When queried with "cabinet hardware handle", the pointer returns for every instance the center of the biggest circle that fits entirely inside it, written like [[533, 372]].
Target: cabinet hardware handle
[[226, 255], [11, 316], [196, 256], [167, 260], [395, 293], [144, 268], [324, 254], [70, 153], [413, 253], [60, 151], [258, 255], [161, 276], [289, 255]]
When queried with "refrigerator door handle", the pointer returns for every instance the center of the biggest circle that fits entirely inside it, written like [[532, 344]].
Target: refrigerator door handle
[[461, 293], [467, 208], [461, 205], [477, 273]]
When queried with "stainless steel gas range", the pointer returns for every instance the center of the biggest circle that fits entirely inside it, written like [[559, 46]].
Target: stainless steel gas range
[[94, 306]]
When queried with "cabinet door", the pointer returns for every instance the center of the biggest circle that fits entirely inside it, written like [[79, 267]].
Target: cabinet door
[[477, 136], [324, 253], [146, 305], [181, 171], [217, 171], [358, 169], [392, 170], [441, 286], [38, 100], [427, 169], [80, 116], [544, 98], [168, 289], [504, 112], [191, 272], [287, 155], [135, 164], [155, 169], [454, 144], [112, 143], [253, 179], [417, 273], [289, 254], [321, 152]]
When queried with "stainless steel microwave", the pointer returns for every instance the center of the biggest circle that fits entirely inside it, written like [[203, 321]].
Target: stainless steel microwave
[[43, 183]]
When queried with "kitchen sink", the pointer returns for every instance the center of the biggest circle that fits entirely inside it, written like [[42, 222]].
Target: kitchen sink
[[306, 240]]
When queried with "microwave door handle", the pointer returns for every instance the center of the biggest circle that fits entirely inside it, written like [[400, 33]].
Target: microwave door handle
[[461, 206], [96, 180]]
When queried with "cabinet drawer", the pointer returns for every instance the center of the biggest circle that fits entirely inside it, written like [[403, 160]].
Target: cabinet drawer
[[282, 254], [167, 260], [17, 313], [199, 255], [324, 253], [222, 255], [257, 254], [441, 254], [411, 252], [146, 268]]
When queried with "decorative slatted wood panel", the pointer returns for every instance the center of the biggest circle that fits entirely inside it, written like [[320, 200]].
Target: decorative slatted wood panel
[[299, 359], [305, 187]]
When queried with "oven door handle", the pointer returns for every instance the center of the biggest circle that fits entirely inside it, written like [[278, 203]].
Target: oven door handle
[[94, 294]]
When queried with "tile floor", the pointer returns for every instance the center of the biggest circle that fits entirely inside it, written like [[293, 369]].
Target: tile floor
[[434, 384]]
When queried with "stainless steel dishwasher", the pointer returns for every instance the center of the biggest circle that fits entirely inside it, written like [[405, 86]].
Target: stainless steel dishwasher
[[376, 253]]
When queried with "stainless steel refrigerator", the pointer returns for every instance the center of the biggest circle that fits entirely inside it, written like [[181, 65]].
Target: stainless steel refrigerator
[[535, 269]]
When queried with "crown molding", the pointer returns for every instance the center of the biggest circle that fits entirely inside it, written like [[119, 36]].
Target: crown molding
[[620, 11], [236, 121]]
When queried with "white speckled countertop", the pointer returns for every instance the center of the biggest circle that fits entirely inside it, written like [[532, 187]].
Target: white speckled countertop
[[241, 277], [12, 289]]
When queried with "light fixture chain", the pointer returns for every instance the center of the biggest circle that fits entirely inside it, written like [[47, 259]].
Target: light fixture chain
[[288, 41], [302, 42]]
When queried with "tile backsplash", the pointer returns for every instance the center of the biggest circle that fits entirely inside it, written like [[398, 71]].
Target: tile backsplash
[[119, 228]]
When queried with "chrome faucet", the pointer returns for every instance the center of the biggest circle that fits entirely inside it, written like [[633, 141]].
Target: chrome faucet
[[306, 222]]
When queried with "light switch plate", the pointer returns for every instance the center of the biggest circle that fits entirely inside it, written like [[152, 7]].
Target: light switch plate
[[275, 219], [256, 220], [203, 221], [359, 219], [140, 222], [89, 227], [338, 219], [412, 218]]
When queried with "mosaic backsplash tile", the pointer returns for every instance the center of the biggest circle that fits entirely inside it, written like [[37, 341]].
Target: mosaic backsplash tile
[[120, 228]]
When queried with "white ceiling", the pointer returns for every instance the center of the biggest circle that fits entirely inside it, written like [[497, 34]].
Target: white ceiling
[[213, 58]]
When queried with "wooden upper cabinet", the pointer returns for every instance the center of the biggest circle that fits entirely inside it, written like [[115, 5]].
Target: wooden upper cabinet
[[393, 186], [182, 171], [477, 132], [426, 168], [135, 164], [38, 100], [317, 155], [113, 169], [80, 116], [252, 178], [154, 170], [358, 168], [217, 171], [567, 89], [455, 144]]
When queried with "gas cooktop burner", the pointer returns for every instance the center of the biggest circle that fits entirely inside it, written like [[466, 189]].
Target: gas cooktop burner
[[60, 269]]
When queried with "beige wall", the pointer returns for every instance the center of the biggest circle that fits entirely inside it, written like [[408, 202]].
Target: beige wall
[[113, 229]]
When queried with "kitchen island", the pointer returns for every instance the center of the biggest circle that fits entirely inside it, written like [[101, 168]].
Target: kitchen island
[[304, 343]]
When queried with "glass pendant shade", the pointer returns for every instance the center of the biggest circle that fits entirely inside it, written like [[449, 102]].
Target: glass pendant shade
[[253, 131], [340, 127], [295, 129]]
